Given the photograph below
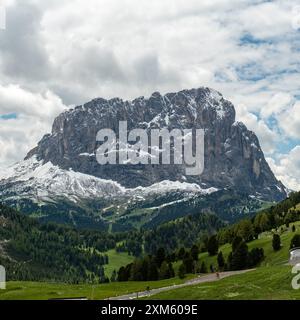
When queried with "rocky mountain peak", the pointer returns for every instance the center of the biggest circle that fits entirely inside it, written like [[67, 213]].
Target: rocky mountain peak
[[233, 156]]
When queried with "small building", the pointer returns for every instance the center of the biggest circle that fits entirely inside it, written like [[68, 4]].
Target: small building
[[294, 256], [2, 278]]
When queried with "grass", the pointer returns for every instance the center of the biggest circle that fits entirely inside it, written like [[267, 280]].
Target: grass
[[116, 260], [264, 283], [265, 241], [22, 290]]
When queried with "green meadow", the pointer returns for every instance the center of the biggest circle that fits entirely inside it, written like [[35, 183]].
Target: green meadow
[[271, 280]]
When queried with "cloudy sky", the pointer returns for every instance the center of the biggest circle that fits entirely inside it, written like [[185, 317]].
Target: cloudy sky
[[58, 53]]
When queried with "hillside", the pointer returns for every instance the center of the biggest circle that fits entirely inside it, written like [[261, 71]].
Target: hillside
[[31, 251], [272, 277], [272, 280], [265, 242]]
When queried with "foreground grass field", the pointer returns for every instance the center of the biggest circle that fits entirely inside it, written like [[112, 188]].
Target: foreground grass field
[[264, 283], [22, 290]]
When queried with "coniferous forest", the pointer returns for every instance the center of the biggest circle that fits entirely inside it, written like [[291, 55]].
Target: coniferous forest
[[34, 251]]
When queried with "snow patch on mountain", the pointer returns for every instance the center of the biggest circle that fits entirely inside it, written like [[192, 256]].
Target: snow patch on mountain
[[167, 186], [40, 181], [43, 181]]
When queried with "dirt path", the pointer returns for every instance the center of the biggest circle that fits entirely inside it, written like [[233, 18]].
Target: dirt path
[[203, 279]]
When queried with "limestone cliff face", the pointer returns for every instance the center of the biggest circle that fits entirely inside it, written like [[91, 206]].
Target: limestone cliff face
[[233, 156]]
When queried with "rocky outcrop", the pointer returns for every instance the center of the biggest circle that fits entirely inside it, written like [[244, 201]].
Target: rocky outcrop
[[233, 156]]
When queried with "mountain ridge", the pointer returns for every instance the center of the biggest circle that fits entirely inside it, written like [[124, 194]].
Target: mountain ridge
[[64, 162], [228, 143]]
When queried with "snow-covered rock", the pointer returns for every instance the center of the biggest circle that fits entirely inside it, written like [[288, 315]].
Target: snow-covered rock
[[32, 178]]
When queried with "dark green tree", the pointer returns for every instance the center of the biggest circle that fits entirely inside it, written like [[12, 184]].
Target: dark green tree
[[136, 272], [221, 260], [171, 270], [203, 268], [195, 252], [276, 242], [122, 275], [212, 245], [295, 242], [152, 271], [255, 256], [164, 272], [236, 243], [113, 277], [160, 256], [181, 253], [188, 264], [181, 271], [239, 259]]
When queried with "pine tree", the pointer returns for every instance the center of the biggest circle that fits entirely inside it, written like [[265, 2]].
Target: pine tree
[[221, 261], [188, 264], [236, 243], [287, 224], [136, 271], [122, 275], [276, 242], [181, 253], [203, 268], [212, 245], [195, 252], [171, 270], [160, 256], [255, 256], [181, 271], [164, 271], [113, 276], [295, 242], [152, 271], [239, 259]]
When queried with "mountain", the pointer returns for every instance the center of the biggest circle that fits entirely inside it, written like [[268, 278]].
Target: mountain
[[61, 180]]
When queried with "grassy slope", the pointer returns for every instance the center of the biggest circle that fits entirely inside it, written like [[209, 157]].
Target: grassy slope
[[264, 283], [22, 290], [272, 280], [116, 260], [265, 242]]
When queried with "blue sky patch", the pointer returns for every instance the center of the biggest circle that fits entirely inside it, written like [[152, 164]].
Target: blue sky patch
[[8, 116]]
